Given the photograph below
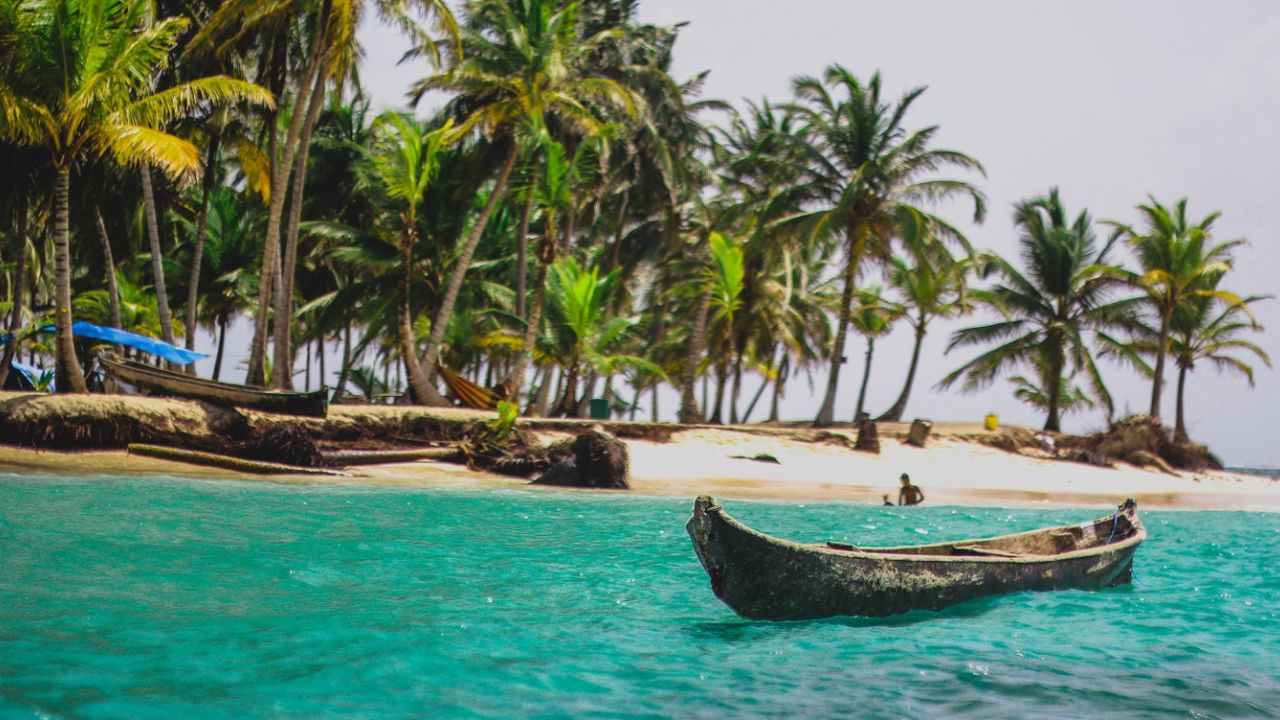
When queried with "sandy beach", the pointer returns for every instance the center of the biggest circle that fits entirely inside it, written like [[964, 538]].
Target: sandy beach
[[952, 470]]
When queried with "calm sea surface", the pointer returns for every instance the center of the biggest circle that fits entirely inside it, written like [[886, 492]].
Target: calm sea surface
[[167, 598]]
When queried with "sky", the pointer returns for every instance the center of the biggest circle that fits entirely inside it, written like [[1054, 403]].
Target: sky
[[1108, 101]]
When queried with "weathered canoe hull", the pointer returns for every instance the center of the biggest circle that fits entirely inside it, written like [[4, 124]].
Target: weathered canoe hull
[[314, 404], [766, 578]]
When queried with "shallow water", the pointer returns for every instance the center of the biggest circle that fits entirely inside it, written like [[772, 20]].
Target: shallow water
[[163, 598]]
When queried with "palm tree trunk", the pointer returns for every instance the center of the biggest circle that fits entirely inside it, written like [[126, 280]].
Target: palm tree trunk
[[1180, 430], [282, 350], [737, 389], [18, 240], [866, 375], [197, 252], [581, 407], [544, 391], [440, 323], [894, 414], [635, 403], [280, 172], [157, 256], [320, 355], [1052, 423], [689, 412], [522, 248], [222, 341], [827, 414], [1162, 349], [784, 369], [420, 387], [345, 371], [113, 290], [531, 329], [746, 416], [722, 379], [70, 376], [306, 376], [615, 253], [653, 412]]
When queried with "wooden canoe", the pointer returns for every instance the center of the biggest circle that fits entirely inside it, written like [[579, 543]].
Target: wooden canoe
[[767, 578], [160, 381]]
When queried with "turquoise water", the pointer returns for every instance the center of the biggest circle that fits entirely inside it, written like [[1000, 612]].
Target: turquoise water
[[165, 598]]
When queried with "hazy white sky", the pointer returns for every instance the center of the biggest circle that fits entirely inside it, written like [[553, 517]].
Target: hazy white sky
[[1108, 100]]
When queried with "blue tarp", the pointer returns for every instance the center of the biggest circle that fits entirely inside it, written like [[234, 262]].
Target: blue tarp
[[175, 355], [29, 374]]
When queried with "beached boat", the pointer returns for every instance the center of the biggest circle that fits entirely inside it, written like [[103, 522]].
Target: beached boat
[[166, 382], [766, 578]]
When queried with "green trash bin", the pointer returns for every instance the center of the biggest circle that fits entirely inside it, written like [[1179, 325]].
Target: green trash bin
[[599, 409]]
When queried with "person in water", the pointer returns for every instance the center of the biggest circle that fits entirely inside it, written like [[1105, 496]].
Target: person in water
[[886, 500], [909, 494]]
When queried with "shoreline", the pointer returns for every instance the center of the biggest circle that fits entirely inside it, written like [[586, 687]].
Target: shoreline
[[85, 435], [694, 462]]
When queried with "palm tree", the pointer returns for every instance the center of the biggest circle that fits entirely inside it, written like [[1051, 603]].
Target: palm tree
[[404, 160], [868, 177], [1032, 390], [934, 287], [326, 43], [723, 279], [230, 224], [1176, 257], [583, 335], [873, 317], [1203, 328], [1048, 311], [81, 84], [1207, 328], [520, 62]]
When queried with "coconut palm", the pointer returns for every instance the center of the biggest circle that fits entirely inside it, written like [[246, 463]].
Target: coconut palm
[[1176, 257], [326, 44], [723, 277], [230, 223], [520, 62], [931, 288], [869, 177], [1031, 390], [1203, 328], [404, 160], [80, 83], [583, 334], [873, 317], [1049, 309]]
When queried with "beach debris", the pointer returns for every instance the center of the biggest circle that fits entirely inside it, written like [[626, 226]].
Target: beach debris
[[868, 437], [343, 458], [919, 433], [599, 460], [283, 443], [1146, 458], [758, 457]]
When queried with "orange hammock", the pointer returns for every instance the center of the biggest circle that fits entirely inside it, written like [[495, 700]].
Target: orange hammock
[[469, 393]]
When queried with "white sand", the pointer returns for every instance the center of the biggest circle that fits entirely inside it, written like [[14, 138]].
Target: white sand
[[949, 470]]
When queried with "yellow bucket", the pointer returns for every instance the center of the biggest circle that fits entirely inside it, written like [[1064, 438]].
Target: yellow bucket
[[991, 421]]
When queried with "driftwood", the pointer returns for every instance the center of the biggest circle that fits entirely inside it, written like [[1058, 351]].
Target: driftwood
[[196, 457], [340, 458]]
